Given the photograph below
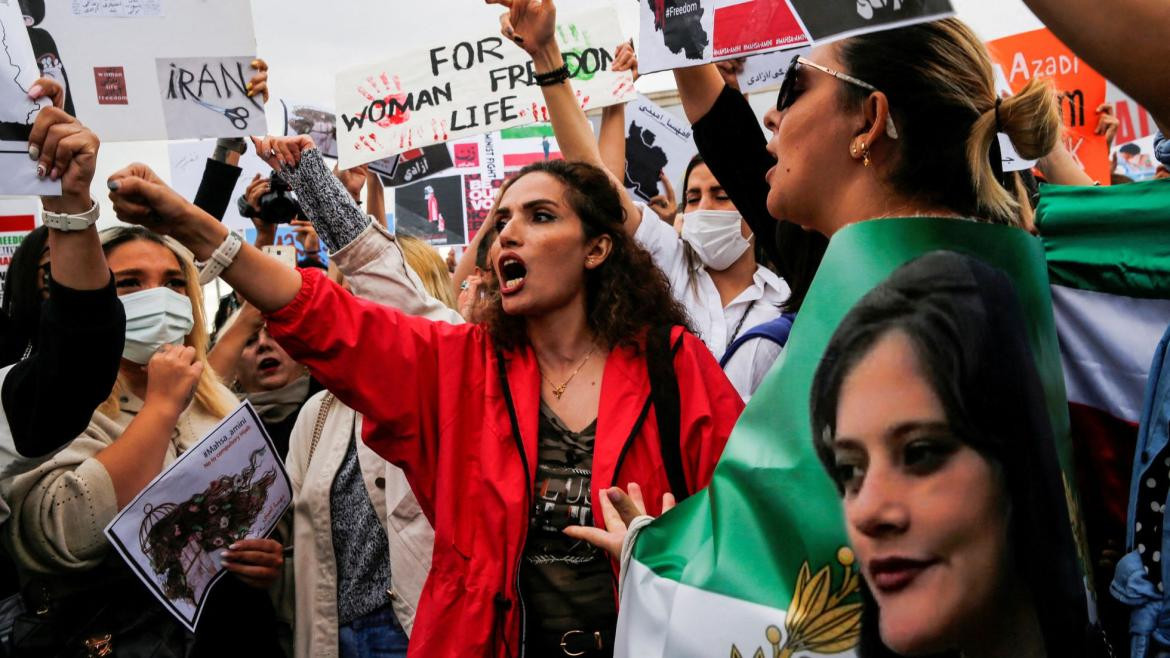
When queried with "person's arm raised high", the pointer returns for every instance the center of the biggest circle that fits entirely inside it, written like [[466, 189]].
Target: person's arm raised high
[[531, 24]]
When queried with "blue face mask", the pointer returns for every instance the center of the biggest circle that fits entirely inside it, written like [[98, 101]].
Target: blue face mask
[[155, 317]]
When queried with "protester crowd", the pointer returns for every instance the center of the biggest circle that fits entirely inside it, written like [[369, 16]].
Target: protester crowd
[[474, 447]]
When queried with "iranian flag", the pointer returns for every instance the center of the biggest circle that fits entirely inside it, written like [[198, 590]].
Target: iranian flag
[[1108, 252], [757, 564]]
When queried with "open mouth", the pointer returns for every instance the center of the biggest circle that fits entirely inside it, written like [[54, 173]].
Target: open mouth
[[269, 365], [512, 274]]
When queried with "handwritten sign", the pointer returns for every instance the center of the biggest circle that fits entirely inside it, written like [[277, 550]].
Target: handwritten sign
[[231, 485], [1039, 54], [18, 72], [208, 97], [766, 72], [470, 85], [118, 8], [656, 142]]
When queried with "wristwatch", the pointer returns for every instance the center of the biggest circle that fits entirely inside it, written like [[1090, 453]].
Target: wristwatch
[[66, 222]]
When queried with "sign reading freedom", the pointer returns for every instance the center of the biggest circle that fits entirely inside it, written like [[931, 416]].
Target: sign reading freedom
[[478, 84]]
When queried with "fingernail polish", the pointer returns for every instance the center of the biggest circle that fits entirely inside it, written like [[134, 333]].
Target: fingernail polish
[[34, 152], [40, 171], [113, 185], [614, 495], [35, 92], [248, 87]]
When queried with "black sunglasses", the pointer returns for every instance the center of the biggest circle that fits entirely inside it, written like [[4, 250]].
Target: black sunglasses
[[786, 97]]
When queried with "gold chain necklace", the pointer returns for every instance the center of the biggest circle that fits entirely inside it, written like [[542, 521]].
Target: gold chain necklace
[[558, 391]]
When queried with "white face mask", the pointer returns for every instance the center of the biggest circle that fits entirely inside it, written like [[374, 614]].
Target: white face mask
[[155, 317], [716, 237]]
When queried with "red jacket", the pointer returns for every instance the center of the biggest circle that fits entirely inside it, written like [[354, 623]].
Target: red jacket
[[434, 406]]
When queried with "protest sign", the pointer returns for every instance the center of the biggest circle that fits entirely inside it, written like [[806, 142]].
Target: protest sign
[[1039, 54], [18, 216], [656, 142], [189, 159], [470, 85], [18, 112], [208, 97], [1133, 150], [766, 72], [417, 164], [108, 54], [321, 125], [231, 485], [678, 33], [432, 210]]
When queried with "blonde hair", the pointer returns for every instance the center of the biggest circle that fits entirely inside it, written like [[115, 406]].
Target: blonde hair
[[209, 392], [430, 268], [940, 82]]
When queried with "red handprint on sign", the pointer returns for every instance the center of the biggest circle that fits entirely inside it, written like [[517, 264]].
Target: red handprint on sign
[[389, 106]]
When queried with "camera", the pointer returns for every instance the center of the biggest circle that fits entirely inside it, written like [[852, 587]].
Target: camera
[[279, 205]]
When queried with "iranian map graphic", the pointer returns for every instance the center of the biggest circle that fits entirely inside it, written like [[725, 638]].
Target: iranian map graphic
[[680, 22]]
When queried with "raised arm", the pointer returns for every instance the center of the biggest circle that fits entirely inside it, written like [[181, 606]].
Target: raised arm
[[1142, 68], [532, 25], [49, 397]]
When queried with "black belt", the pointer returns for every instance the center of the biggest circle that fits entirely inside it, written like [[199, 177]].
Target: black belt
[[578, 643]]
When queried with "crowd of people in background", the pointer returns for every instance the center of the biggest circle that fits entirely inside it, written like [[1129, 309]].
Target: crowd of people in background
[[473, 445]]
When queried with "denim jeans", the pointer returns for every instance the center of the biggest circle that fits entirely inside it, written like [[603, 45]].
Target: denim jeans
[[376, 635]]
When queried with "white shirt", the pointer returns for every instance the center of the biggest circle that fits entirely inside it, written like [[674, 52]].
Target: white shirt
[[716, 325]]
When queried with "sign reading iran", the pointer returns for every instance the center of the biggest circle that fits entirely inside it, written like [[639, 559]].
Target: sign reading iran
[[473, 85]]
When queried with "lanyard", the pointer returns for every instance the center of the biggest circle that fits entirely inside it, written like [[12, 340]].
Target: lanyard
[[742, 319]]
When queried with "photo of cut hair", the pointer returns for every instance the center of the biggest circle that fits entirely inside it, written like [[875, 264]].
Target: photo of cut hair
[[968, 345], [177, 537]]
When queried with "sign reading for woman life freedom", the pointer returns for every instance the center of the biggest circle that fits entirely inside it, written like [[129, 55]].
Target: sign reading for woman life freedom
[[467, 86]]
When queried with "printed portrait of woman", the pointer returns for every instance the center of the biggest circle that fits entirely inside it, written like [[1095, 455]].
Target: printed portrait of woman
[[930, 416]]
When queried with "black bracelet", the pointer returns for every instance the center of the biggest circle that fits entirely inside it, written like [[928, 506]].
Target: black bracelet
[[553, 77]]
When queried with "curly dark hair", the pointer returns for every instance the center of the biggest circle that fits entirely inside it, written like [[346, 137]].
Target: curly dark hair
[[624, 296]]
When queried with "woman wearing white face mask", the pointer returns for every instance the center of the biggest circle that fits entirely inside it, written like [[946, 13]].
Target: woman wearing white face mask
[[734, 302], [164, 400], [713, 272]]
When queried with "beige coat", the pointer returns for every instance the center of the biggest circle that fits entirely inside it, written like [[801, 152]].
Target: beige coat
[[61, 507], [374, 266]]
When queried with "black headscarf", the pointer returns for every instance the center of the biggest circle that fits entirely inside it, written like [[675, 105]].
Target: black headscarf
[[965, 321]]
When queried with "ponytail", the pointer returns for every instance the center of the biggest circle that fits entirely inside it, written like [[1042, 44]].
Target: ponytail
[[1031, 119]]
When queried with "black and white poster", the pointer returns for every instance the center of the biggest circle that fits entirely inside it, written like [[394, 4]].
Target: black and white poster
[[657, 142], [832, 18]]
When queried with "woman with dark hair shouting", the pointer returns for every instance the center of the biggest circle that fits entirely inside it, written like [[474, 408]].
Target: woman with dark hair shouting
[[508, 431]]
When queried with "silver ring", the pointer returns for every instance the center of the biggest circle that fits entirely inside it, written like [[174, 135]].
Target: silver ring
[[272, 153]]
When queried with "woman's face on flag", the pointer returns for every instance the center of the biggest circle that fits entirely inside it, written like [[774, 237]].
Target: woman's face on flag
[[541, 254], [927, 514]]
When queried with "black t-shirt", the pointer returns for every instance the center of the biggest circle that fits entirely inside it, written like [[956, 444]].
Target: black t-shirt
[[567, 584]]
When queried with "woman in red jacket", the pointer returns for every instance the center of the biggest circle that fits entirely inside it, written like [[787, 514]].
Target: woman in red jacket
[[509, 431]]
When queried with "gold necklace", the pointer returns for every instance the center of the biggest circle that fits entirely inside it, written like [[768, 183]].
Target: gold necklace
[[558, 391]]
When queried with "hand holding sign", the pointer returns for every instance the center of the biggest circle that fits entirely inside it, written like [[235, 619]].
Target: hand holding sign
[[67, 152]]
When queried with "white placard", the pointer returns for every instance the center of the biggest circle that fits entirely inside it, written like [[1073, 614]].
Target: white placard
[[1012, 161], [230, 485], [656, 141], [189, 159], [18, 72], [766, 72], [208, 97], [108, 62], [470, 85]]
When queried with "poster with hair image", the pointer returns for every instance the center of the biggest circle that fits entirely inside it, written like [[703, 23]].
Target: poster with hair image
[[229, 486]]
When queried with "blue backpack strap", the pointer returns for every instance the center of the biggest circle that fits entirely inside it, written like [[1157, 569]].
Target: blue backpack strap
[[775, 330]]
